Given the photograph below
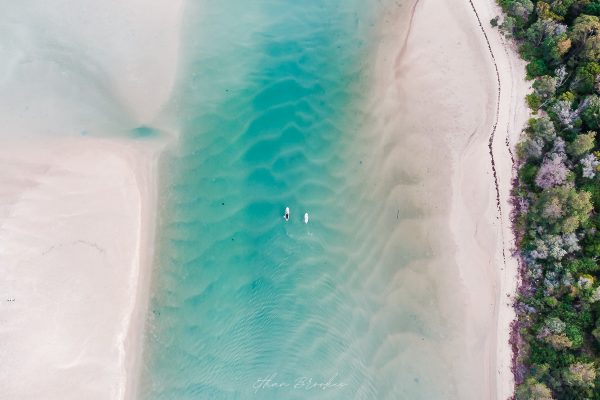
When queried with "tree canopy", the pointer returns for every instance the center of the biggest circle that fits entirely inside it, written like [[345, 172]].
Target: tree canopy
[[558, 193]]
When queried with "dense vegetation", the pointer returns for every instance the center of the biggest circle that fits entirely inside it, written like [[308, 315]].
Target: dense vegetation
[[558, 199]]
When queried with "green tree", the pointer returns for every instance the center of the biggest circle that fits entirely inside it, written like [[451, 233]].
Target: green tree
[[580, 375], [591, 112], [537, 68], [582, 144], [533, 390], [586, 78], [521, 9], [561, 7], [542, 128], [545, 86], [591, 49], [562, 209], [544, 11], [592, 8], [585, 27], [508, 26], [596, 331], [559, 341]]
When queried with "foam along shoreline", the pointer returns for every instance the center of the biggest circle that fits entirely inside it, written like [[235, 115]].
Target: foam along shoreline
[[450, 74], [76, 218]]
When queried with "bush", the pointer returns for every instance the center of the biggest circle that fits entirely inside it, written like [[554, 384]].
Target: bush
[[527, 174], [537, 68], [534, 101]]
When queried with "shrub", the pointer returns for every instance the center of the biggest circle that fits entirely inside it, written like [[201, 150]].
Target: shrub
[[537, 67]]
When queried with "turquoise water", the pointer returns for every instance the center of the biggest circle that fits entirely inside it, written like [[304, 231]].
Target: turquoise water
[[244, 304]]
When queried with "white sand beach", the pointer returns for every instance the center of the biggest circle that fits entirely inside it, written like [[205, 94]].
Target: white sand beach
[[76, 226], [439, 87], [77, 212]]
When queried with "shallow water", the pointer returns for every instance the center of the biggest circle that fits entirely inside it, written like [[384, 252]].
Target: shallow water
[[269, 113]]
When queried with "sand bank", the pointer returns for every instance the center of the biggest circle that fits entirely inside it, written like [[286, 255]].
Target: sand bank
[[76, 224], [77, 212], [438, 101]]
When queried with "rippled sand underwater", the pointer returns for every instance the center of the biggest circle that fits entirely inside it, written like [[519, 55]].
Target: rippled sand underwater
[[269, 112]]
